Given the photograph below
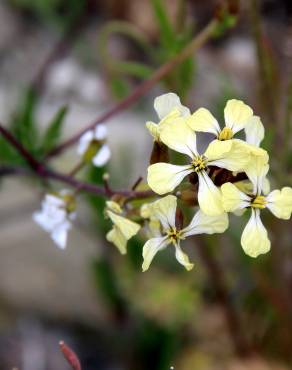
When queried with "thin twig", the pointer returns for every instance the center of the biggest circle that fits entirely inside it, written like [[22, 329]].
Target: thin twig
[[40, 170], [144, 87]]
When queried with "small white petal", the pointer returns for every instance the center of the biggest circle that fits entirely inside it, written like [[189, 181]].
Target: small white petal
[[84, 142], [182, 258], [279, 203], [256, 171], [165, 103], [229, 154], [102, 156], [164, 177], [178, 136], [209, 196], [254, 131], [204, 224], [151, 247], [59, 234], [203, 120], [233, 199], [254, 239], [164, 210], [100, 132], [237, 114]]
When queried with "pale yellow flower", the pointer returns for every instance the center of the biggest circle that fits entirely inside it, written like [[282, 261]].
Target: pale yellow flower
[[238, 116], [168, 107], [254, 239], [123, 229], [164, 210], [165, 177]]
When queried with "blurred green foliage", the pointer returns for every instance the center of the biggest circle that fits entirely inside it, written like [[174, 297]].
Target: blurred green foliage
[[26, 129]]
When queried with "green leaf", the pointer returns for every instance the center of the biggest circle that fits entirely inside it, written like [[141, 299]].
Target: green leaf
[[120, 87], [24, 126], [167, 32], [54, 130]]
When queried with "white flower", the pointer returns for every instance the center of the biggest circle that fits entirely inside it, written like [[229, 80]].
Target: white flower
[[93, 147], [167, 106], [55, 217], [254, 239], [164, 210], [238, 116]]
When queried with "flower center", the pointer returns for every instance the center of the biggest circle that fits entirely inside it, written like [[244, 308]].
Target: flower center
[[199, 163], [259, 202], [225, 134], [174, 234]]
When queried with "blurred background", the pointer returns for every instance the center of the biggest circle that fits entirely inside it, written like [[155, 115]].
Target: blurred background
[[69, 61]]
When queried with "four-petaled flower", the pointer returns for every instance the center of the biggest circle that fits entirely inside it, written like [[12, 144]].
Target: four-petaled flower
[[238, 116], [123, 229], [254, 239], [56, 215], [93, 147], [164, 210]]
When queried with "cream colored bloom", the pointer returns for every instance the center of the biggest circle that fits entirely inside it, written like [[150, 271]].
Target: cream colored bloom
[[164, 210], [123, 229], [254, 239], [168, 107], [165, 177], [238, 116]]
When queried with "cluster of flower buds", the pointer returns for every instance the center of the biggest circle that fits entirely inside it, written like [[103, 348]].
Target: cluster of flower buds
[[229, 175]]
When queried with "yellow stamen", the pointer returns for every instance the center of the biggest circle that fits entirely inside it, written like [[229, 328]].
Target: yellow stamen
[[174, 234], [199, 163], [225, 134], [259, 202]]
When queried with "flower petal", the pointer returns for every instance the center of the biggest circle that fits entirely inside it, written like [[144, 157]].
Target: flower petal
[[182, 258], [100, 132], [59, 234], [237, 114], [84, 142], [102, 156], [254, 131], [178, 136], [165, 103], [233, 199], [203, 120], [229, 154], [164, 209], [256, 171], [154, 130], [150, 248], [254, 239], [280, 203], [204, 224], [209, 196], [127, 227], [164, 177], [116, 237]]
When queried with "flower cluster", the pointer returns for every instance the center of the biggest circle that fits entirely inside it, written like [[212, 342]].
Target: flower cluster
[[227, 173]]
